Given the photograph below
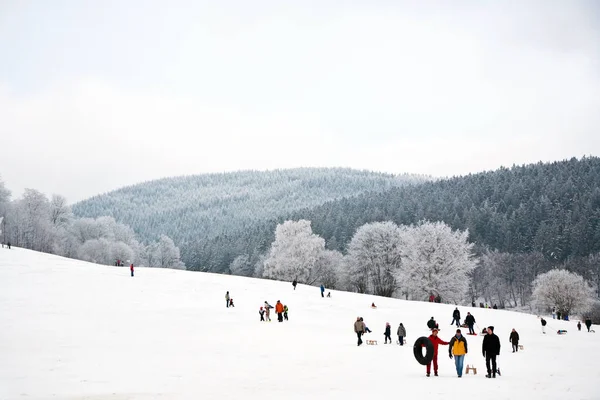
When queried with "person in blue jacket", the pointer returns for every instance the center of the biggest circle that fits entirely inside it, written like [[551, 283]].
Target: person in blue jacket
[[322, 291]]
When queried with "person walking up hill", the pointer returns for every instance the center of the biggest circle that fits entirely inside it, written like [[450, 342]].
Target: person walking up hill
[[359, 329], [470, 321], [401, 334], [456, 317], [388, 333], [514, 340]]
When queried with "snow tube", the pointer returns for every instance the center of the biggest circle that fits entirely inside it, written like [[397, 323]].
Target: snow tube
[[418, 350]]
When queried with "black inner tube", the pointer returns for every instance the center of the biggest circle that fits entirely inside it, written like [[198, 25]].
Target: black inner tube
[[418, 350]]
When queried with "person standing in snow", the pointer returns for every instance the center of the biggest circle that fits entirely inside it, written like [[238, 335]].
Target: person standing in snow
[[227, 299], [553, 312], [431, 324], [322, 291], [401, 334], [490, 348], [458, 349], [359, 329], [388, 333], [279, 311], [579, 325], [231, 302], [262, 314], [8, 244], [268, 311], [431, 298], [285, 312], [456, 317], [514, 339], [131, 269], [436, 342], [294, 284], [588, 323], [543, 321], [470, 321]]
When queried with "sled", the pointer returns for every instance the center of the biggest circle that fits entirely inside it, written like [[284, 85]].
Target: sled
[[471, 368], [371, 342], [561, 332], [521, 347], [472, 334]]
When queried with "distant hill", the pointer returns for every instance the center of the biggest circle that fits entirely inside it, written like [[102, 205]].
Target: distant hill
[[549, 208], [192, 209]]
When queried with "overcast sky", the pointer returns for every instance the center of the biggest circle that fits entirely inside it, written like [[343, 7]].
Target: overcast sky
[[95, 95]]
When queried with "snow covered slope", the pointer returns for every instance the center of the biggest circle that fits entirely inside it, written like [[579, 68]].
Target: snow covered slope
[[74, 330]]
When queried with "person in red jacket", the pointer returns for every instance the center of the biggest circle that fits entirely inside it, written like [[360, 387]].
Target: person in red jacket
[[131, 269], [279, 311], [436, 342]]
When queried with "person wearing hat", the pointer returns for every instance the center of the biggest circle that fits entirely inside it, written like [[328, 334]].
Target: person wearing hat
[[436, 341], [262, 314], [491, 349], [458, 349]]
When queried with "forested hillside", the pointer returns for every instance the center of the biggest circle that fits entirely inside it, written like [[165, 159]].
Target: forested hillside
[[546, 209], [202, 207]]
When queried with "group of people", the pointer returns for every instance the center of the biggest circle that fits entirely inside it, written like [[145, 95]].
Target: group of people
[[280, 309], [7, 245], [360, 328], [228, 300], [435, 299], [458, 349], [588, 324]]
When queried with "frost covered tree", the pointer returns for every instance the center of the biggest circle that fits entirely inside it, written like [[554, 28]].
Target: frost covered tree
[[565, 290], [437, 261], [167, 254], [242, 265], [294, 253], [328, 268], [374, 258]]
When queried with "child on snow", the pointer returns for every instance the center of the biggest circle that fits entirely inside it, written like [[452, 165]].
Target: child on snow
[[262, 314], [285, 311], [231, 302]]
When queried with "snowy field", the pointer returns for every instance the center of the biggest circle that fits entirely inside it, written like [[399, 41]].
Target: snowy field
[[74, 330]]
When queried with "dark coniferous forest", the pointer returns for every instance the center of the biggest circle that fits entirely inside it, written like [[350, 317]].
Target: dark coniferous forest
[[545, 210]]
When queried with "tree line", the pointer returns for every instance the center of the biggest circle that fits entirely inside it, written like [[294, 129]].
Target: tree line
[[37, 223]]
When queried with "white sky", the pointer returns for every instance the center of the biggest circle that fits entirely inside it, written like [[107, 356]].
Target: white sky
[[95, 95]]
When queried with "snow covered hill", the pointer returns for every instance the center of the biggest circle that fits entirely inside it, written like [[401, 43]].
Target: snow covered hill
[[74, 330]]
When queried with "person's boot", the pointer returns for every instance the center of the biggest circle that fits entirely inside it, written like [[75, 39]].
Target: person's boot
[[427, 375], [435, 374], [488, 376], [494, 375]]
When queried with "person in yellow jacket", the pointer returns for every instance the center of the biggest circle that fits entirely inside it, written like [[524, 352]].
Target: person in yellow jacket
[[458, 349]]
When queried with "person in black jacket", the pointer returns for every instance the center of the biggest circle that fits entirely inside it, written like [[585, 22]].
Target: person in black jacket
[[588, 323], [543, 321], [491, 349], [431, 324], [388, 333], [470, 321], [514, 339], [456, 317]]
